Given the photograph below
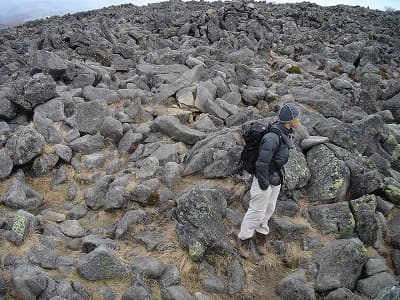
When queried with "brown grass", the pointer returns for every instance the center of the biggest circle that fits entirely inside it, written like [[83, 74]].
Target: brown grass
[[53, 199]]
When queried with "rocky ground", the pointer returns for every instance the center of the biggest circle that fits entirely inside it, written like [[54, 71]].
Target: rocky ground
[[120, 139]]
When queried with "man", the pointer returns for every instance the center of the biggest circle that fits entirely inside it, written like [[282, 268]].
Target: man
[[264, 191]]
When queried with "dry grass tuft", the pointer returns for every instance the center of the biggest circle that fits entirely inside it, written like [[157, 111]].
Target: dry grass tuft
[[294, 253]]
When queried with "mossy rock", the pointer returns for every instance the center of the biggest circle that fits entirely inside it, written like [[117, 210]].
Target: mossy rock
[[392, 192], [294, 70], [196, 251]]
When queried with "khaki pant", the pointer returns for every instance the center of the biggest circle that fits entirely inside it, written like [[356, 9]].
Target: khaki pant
[[261, 208]]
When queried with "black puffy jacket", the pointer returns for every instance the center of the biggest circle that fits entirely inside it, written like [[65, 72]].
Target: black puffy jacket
[[272, 157]]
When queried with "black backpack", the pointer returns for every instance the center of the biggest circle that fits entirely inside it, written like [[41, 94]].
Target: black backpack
[[252, 137]]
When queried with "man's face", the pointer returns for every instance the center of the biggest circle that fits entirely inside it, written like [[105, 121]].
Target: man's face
[[295, 122]]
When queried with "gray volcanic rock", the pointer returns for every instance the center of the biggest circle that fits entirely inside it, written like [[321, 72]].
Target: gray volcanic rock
[[132, 217], [342, 293], [48, 61], [19, 195], [7, 108], [111, 88], [90, 116], [171, 126], [361, 135], [170, 277], [148, 266], [372, 285], [6, 165], [216, 156], [295, 286], [29, 282], [87, 144], [109, 96], [42, 256], [236, 277]]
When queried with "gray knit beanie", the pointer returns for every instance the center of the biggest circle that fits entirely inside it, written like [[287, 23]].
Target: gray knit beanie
[[288, 113]]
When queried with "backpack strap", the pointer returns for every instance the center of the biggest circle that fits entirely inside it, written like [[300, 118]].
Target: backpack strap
[[277, 131]]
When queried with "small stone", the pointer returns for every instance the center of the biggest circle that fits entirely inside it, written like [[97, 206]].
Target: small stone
[[236, 277], [170, 277], [53, 216], [375, 265], [72, 228], [151, 240], [65, 264], [148, 266], [213, 284], [42, 256], [175, 292], [101, 263]]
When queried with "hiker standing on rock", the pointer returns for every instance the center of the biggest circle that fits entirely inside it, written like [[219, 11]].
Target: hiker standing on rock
[[273, 154]]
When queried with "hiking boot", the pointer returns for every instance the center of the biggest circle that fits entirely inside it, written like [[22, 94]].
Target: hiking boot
[[261, 243], [243, 246]]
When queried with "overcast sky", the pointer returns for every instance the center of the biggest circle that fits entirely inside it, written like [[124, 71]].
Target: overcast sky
[[11, 10]]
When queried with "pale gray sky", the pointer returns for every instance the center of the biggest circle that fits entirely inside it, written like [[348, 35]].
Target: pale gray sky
[[12, 11]]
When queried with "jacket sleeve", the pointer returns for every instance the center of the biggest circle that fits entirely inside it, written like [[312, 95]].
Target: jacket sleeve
[[269, 144]]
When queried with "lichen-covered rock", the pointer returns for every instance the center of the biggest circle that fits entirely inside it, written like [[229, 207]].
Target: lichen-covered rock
[[392, 190], [199, 213], [170, 277], [36, 90], [364, 175], [330, 177], [18, 227], [339, 264], [24, 145], [102, 263], [333, 218], [367, 225], [297, 173]]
